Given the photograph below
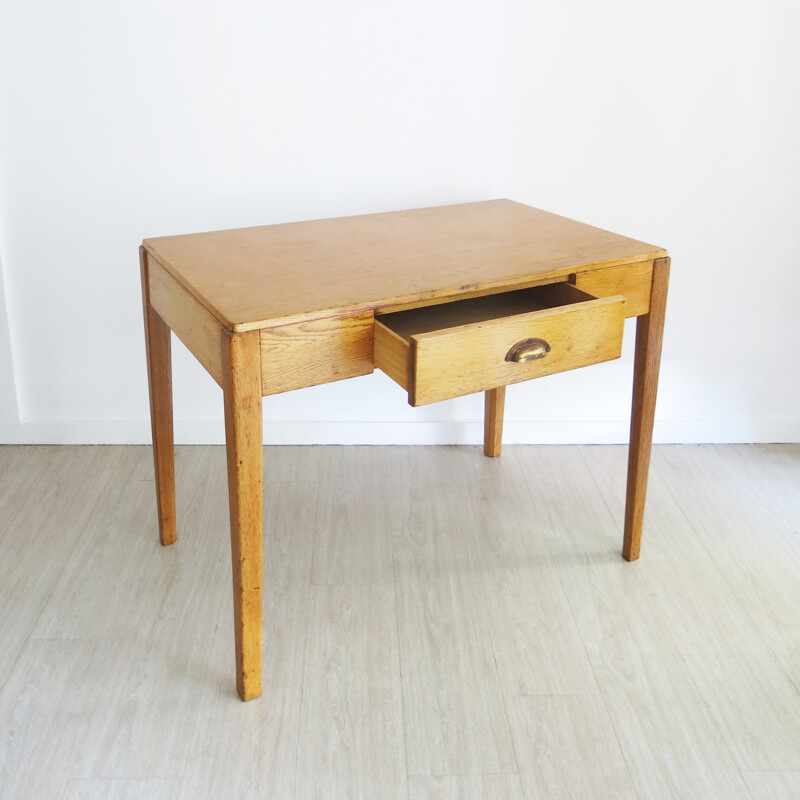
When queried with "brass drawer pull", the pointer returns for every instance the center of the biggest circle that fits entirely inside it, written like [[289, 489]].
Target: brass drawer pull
[[528, 350]]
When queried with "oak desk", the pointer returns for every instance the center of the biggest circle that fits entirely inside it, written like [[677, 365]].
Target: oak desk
[[446, 301]]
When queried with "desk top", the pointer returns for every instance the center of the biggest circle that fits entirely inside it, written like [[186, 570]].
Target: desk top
[[249, 277]]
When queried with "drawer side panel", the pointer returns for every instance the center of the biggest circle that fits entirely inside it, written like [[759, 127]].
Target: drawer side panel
[[391, 354]]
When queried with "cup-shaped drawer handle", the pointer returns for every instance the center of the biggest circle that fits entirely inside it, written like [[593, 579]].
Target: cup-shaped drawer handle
[[528, 350]]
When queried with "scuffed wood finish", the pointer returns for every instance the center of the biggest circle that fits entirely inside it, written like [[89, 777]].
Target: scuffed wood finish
[[631, 280], [447, 301], [192, 323], [315, 351], [253, 277], [448, 359], [241, 355], [159, 374], [471, 358], [494, 404], [649, 334]]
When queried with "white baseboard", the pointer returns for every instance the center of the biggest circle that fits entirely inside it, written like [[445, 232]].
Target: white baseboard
[[423, 432]]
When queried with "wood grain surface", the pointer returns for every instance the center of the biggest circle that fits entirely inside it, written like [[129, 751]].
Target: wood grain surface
[[471, 358], [633, 281], [252, 277], [196, 327], [316, 351], [241, 356], [158, 346], [649, 335], [457, 348], [493, 407]]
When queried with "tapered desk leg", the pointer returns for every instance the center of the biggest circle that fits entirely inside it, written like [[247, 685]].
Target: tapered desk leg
[[494, 403], [243, 435], [649, 333], [159, 373]]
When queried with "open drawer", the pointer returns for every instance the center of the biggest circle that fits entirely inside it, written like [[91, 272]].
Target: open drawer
[[466, 346]]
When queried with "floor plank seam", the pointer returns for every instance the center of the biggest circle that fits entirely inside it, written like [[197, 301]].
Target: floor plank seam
[[505, 706], [792, 677], [302, 700], [281, 481], [400, 671], [309, 589], [721, 739], [599, 489], [353, 584], [745, 783], [13, 666], [625, 758]]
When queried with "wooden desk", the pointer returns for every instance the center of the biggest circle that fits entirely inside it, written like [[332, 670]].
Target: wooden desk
[[446, 301]]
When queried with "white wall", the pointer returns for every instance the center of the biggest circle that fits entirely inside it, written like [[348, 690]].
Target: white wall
[[8, 394], [673, 122]]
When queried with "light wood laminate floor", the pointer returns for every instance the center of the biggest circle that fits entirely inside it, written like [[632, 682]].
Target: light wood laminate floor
[[437, 625]]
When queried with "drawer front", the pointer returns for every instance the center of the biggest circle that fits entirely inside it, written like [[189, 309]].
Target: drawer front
[[472, 358], [315, 351]]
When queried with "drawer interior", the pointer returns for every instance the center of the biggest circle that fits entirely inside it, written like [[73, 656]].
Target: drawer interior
[[482, 309]]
